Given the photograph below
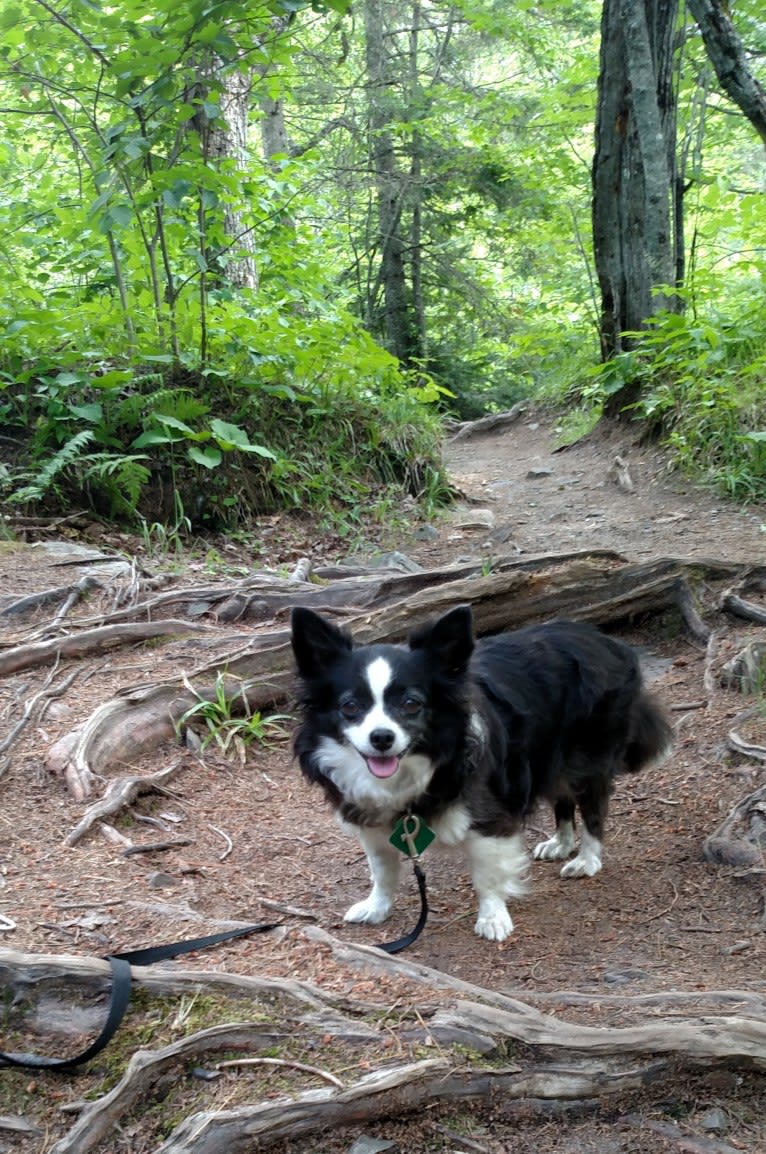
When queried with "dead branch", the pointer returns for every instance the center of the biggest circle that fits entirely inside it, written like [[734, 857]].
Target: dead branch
[[739, 607], [45, 695], [94, 640], [120, 793], [67, 594], [568, 1062], [490, 424], [395, 1091]]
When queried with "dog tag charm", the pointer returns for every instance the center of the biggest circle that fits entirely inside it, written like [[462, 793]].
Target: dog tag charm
[[411, 835]]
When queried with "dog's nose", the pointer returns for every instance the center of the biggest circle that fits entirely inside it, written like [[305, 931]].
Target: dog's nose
[[381, 739]]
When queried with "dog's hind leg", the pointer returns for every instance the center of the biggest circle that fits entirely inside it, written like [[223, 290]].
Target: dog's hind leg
[[383, 861], [499, 871], [593, 802], [563, 842]]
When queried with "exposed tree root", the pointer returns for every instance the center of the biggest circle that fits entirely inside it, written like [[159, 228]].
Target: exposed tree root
[[120, 792], [38, 653], [541, 1057]]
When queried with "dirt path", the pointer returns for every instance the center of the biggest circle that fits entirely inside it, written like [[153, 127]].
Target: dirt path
[[657, 918]]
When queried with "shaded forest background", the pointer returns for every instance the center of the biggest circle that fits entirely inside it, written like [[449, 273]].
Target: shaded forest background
[[254, 254]]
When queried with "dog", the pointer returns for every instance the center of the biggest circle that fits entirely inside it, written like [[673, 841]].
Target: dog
[[468, 735]]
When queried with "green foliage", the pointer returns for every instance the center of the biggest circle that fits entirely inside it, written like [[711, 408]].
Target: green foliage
[[230, 722], [701, 375], [140, 382]]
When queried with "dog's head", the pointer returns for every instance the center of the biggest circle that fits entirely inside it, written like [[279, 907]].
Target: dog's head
[[383, 704]]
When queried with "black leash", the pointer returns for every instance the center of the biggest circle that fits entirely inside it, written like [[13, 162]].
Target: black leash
[[408, 939], [122, 982], [411, 836]]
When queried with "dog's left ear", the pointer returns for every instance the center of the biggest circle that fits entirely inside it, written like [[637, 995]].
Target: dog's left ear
[[316, 643], [449, 639]]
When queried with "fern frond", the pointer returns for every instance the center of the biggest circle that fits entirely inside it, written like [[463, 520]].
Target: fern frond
[[43, 481], [122, 478]]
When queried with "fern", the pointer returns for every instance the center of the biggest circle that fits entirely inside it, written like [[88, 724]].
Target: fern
[[40, 484], [178, 403], [121, 478]]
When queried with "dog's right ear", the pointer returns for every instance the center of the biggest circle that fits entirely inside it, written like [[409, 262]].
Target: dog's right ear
[[316, 642]]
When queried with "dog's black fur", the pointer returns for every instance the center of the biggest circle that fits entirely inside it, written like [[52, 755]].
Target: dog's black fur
[[479, 731]]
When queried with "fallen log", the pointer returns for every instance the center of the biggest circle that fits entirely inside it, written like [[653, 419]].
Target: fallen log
[[584, 587], [553, 1059]]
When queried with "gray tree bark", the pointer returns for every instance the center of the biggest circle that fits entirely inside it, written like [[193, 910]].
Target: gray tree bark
[[728, 57], [382, 77], [634, 172]]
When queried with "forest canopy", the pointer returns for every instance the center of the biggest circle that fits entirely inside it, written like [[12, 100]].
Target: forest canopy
[[253, 254]]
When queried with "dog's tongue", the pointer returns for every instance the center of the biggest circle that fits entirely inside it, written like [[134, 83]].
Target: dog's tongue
[[383, 766]]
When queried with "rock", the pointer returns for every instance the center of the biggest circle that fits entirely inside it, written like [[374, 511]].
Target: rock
[[395, 560], [367, 1145], [160, 880], [472, 519], [622, 977], [714, 1120], [537, 474]]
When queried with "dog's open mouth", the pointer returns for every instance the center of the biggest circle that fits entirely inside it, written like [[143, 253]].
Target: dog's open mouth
[[383, 766]]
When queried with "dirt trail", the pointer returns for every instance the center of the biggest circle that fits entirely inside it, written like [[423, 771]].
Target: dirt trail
[[657, 918]]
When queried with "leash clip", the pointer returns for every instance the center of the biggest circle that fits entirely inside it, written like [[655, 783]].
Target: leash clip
[[409, 834]]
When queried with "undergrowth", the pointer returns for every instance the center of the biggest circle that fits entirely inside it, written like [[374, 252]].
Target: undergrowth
[[179, 451], [702, 382]]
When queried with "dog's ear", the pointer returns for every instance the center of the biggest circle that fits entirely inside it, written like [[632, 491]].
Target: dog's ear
[[316, 642], [448, 640]]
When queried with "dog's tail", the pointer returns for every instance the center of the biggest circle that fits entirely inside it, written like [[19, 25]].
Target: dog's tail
[[651, 734]]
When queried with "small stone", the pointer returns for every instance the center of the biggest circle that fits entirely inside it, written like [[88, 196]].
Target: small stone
[[160, 880], [395, 560], [714, 1120], [537, 473], [368, 1145], [622, 977]]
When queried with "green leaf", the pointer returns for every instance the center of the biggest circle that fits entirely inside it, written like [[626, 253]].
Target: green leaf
[[230, 437], [210, 458]]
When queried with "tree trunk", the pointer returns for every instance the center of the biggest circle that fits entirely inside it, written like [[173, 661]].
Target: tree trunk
[[228, 141], [634, 173], [727, 56], [389, 182]]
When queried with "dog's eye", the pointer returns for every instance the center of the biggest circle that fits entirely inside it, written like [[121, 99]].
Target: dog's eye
[[350, 709], [411, 706]]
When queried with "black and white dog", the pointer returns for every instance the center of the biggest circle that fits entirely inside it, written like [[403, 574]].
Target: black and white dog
[[468, 736]]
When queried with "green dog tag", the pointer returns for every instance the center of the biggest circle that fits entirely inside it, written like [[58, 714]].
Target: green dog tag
[[411, 835]]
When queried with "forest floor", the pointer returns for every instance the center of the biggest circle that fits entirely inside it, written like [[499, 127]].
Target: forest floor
[[658, 918]]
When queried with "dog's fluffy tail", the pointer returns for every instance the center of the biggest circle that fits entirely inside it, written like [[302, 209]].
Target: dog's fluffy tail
[[651, 735]]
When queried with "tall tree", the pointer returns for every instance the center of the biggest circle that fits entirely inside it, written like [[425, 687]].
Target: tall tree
[[636, 217], [383, 74]]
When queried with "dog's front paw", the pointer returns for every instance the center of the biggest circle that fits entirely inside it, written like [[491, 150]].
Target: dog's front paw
[[370, 910], [585, 865], [494, 922], [558, 847], [552, 850]]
